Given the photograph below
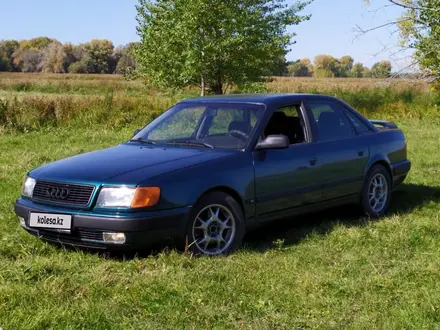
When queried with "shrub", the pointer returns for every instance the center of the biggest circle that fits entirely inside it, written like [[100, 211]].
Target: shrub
[[78, 67]]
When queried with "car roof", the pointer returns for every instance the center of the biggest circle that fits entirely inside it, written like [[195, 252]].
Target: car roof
[[258, 98]]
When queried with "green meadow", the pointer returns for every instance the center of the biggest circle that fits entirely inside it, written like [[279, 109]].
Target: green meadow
[[332, 270]]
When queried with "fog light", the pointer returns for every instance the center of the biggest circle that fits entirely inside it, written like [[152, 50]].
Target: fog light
[[114, 238], [22, 222]]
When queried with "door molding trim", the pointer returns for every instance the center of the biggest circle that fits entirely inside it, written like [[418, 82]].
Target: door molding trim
[[308, 208], [306, 189]]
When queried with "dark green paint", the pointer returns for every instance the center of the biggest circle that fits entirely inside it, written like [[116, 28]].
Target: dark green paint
[[267, 183]]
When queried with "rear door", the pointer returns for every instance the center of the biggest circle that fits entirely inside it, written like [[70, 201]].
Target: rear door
[[342, 153]]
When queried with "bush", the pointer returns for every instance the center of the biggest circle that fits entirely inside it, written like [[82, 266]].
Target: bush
[[78, 67]]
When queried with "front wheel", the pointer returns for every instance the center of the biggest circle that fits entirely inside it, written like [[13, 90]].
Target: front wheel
[[376, 193], [216, 225]]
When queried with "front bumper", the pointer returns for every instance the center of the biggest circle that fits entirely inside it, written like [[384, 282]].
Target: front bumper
[[141, 229]]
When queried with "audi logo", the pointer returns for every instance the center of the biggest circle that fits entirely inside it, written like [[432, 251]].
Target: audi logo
[[57, 193]]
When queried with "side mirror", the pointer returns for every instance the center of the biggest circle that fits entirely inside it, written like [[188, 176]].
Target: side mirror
[[274, 142], [136, 131]]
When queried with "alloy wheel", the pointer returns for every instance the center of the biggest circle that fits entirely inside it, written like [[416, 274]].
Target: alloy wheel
[[378, 192], [214, 229]]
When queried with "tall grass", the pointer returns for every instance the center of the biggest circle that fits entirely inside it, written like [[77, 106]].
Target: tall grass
[[29, 113], [304, 85], [30, 102]]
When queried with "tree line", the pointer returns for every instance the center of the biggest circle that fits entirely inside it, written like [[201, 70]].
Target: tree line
[[326, 66], [48, 55]]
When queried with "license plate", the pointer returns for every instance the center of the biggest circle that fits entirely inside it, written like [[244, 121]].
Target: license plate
[[50, 221]]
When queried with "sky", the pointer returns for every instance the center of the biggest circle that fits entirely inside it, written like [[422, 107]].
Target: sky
[[331, 29]]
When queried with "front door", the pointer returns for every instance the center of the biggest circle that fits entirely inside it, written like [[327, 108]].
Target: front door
[[286, 178]]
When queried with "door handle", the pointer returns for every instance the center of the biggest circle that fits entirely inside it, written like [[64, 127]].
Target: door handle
[[360, 152], [312, 161]]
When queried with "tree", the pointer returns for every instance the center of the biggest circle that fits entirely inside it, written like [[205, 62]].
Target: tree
[[4, 64], [114, 58], [367, 72], [53, 58], [78, 52], [301, 68], [280, 67], [358, 70], [345, 66], [30, 60], [212, 43], [326, 66], [7, 49], [99, 52], [126, 63], [381, 69], [419, 30], [68, 49], [29, 49]]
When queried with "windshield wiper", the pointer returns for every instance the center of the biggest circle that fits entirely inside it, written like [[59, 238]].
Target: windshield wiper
[[141, 140], [189, 143]]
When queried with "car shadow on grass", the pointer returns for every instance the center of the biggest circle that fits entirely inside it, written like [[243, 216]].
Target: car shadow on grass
[[293, 230]]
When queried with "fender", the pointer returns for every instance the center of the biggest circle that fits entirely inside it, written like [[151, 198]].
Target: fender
[[380, 158]]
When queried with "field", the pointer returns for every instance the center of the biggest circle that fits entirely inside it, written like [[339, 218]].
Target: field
[[329, 270]]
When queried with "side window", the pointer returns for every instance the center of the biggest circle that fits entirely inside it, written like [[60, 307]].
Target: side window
[[361, 128], [331, 121], [287, 121]]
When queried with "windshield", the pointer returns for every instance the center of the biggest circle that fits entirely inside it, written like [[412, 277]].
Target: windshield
[[210, 125]]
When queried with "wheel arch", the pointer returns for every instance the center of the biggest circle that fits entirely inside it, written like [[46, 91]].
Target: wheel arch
[[386, 165], [383, 162], [227, 190]]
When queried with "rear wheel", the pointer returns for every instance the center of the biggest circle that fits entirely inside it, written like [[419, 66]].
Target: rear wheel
[[376, 193], [216, 225]]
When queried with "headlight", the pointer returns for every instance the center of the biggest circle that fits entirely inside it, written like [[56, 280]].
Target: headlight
[[128, 197], [28, 187]]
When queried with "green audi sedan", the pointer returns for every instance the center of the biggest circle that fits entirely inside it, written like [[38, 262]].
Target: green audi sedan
[[210, 169]]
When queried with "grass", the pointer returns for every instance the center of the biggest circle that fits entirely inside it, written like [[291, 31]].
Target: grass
[[30, 102], [328, 270], [94, 84]]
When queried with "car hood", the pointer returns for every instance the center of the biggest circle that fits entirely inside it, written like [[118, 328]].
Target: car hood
[[128, 163]]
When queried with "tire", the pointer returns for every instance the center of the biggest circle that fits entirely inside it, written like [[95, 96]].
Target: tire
[[376, 193], [216, 225]]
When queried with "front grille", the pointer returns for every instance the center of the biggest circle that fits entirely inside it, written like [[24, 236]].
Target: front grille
[[93, 235], [75, 236], [63, 193]]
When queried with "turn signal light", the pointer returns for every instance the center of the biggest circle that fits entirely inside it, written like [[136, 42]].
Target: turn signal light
[[147, 196]]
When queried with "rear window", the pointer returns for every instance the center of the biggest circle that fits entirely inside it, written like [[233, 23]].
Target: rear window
[[360, 126]]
